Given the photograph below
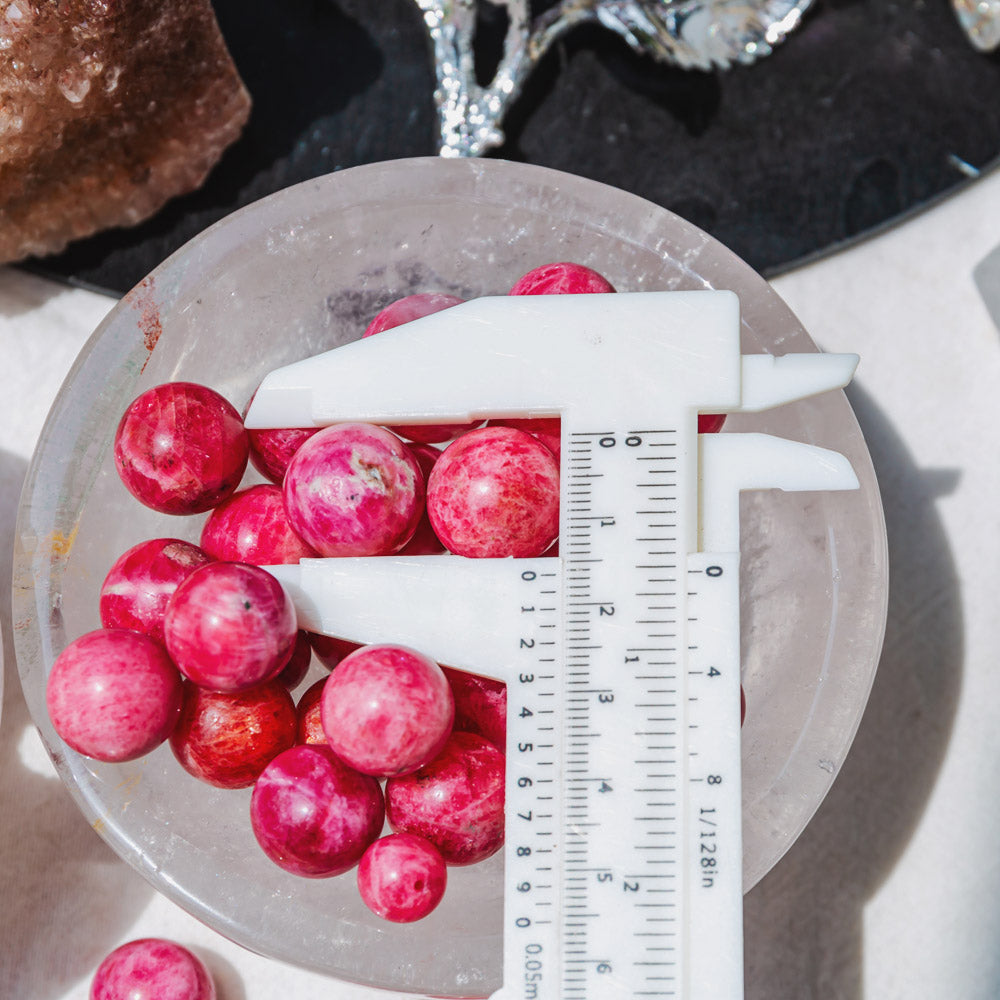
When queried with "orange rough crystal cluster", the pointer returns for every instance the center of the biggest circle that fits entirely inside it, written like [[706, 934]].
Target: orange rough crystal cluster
[[108, 108]]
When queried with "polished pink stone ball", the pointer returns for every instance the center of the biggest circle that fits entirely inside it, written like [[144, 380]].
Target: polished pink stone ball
[[495, 493], [402, 877], [114, 695], [456, 801], [561, 278], [225, 739], [141, 581], [309, 711], [480, 705], [152, 969], [354, 490], [387, 710], [252, 527], [230, 626], [312, 814], [181, 448], [548, 430]]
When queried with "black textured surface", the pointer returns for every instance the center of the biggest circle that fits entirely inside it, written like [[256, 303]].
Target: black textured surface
[[867, 111]]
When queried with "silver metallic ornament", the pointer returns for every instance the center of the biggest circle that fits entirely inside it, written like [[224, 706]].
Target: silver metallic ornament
[[692, 34]]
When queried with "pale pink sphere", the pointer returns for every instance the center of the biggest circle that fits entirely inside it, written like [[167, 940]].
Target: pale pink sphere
[[181, 448], [140, 582], [114, 695], [354, 490], [312, 814], [495, 493], [152, 969], [456, 801], [402, 877], [387, 710], [405, 310], [230, 626], [562, 278], [252, 527]]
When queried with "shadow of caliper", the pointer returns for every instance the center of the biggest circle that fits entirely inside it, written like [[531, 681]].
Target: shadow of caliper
[[623, 849]]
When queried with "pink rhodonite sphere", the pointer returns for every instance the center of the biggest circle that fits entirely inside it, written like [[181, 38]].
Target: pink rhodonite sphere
[[312, 814], [114, 695], [387, 710], [354, 490], [252, 527], [181, 448], [230, 626], [139, 584], [563, 278], [152, 969], [456, 801], [402, 877], [495, 493]]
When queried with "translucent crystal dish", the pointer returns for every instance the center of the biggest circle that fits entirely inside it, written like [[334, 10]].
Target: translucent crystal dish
[[300, 272]]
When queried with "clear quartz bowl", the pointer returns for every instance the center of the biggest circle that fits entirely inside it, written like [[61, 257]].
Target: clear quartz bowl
[[303, 271]]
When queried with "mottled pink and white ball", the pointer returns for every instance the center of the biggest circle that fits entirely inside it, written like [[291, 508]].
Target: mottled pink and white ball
[[181, 448], [312, 814], [402, 877], [152, 969], [114, 695], [252, 527], [387, 710], [495, 493], [354, 490], [456, 801], [548, 430], [142, 580], [561, 278], [230, 626]]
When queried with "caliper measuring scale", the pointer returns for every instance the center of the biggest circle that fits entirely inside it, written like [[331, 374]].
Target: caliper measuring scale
[[621, 654]]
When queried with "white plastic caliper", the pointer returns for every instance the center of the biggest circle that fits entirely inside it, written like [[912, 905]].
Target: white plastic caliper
[[621, 654]]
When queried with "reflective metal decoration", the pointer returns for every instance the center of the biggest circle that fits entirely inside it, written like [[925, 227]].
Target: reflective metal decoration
[[691, 34]]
